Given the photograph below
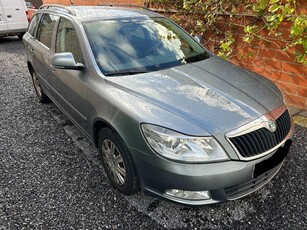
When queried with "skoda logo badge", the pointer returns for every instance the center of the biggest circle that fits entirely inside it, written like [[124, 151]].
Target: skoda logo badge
[[272, 125]]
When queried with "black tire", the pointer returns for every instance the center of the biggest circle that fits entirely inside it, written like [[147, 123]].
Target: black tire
[[42, 97], [20, 36], [117, 162]]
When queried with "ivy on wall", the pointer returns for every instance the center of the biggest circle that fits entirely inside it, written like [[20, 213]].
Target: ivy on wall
[[253, 21]]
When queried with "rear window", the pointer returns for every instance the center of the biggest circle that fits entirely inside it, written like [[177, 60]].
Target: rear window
[[45, 29], [33, 24]]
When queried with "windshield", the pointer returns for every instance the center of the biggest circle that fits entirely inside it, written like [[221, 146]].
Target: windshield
[[131, 46]]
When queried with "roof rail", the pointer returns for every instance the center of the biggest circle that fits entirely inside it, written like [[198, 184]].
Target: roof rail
[[47, 6], [126, 5]]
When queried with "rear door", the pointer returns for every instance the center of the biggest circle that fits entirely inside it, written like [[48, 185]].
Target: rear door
[[41, 49], [15, 14], [30, 38]]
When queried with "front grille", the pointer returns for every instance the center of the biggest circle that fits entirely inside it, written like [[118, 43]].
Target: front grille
[[262, 140], [238, 191]]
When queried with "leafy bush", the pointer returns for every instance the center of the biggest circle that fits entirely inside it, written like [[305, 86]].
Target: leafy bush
[[255, 21]]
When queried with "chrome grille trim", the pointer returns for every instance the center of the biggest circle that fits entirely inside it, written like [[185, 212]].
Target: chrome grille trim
[[254, 140]]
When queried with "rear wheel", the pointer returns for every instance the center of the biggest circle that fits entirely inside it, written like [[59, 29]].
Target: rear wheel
[[42, 97], [117, 162], [20, 36]]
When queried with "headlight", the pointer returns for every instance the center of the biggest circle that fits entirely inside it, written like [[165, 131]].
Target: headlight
[[177, 146]]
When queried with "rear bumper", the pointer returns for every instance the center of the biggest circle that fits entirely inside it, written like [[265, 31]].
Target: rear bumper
[[224, 180], [12, 32]]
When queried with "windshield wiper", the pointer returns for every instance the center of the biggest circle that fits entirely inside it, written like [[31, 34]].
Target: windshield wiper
[[197, 57], [125, 72]]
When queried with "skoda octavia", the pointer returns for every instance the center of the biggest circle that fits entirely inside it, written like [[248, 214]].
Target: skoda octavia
[[169, 118]]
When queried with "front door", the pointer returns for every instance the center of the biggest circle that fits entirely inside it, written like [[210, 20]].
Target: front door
[[71, 84]]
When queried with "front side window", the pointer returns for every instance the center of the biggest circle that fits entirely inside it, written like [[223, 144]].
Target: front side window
[[33, 24], [67, 40], [45, 29], [131, 46]]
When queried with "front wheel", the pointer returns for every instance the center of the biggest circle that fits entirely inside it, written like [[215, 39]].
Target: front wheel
[[117, 162]]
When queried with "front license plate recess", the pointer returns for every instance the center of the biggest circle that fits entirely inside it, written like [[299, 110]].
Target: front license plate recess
[[273, 161]]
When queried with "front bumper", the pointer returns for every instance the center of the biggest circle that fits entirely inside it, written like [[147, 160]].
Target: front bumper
[[224, 180]]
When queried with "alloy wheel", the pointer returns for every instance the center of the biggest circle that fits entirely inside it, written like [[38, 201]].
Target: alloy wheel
[[114, 162]]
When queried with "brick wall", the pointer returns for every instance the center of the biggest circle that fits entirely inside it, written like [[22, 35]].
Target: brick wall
[[272, 62], [36, 3]]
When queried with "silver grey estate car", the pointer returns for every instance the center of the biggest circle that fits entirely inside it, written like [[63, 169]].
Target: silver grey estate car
[[169, 118]]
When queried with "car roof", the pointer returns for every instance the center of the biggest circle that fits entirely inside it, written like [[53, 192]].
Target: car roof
[[89, 13]]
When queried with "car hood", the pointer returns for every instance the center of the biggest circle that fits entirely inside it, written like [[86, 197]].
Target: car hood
[[213, 94]]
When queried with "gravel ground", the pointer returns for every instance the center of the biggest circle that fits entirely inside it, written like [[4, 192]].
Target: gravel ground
[[51, 178]]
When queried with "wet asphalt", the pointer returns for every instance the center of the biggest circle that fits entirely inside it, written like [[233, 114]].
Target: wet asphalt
[[51, 176]]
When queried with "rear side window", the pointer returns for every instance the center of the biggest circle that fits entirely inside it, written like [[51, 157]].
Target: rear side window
[[45, 29], [67, 40], [33, 24]]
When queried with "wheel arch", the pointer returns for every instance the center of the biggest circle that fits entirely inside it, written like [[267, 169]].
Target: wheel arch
[[99, 124]]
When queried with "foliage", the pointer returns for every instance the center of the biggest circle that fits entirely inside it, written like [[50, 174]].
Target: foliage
[[255, 21]]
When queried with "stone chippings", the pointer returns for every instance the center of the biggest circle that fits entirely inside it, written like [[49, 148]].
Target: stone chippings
[[51, 177]]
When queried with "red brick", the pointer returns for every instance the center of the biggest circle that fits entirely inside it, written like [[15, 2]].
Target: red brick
[[288, 88], [300, 80], [265, 33], [285, 24], [302, 91], [302, 3], [267, 53], [298, 69], [273, 64], [296, 101], [239, 40], [260, 43], [275, 44], [285, 56], [240, 63], [256, 61], [262, 71], [274, 77], [285, 33], [282, 76]]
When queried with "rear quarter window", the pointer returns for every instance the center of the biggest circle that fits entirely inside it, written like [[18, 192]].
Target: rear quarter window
[[45, 29], [33, 24]]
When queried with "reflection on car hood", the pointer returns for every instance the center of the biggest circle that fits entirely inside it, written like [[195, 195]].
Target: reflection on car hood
[[213, 94]]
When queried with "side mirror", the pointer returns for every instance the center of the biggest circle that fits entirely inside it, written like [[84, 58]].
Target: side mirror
[[198, 38], [65, 61]]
